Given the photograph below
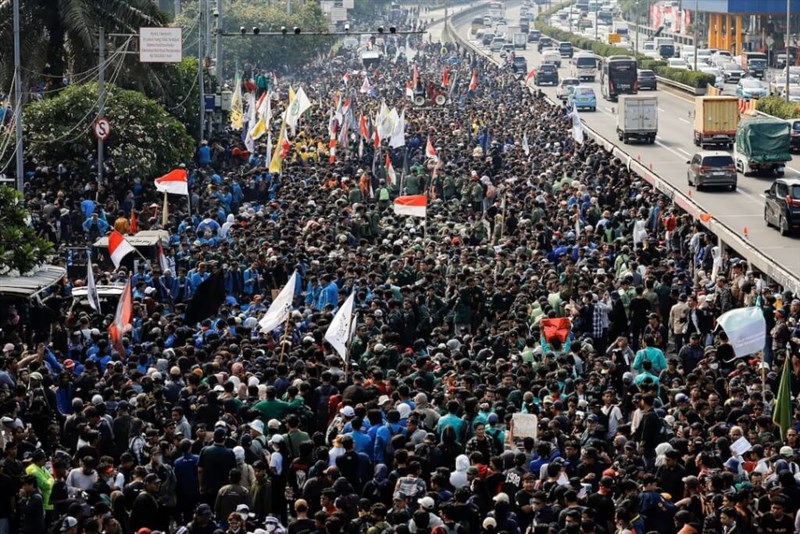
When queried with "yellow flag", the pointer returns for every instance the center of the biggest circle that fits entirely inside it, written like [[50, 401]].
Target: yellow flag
[[276, 164], [291, 94], [237, 105]]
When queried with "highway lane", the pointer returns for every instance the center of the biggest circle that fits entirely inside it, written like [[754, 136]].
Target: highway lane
[[668, 157]]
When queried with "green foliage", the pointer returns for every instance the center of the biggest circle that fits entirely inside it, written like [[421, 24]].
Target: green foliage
[[268, 52], [20, 249], [778, 107], [691, 78], [145, 140], [175, 87]]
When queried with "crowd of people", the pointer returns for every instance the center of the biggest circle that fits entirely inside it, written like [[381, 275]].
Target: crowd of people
[[643, 417]]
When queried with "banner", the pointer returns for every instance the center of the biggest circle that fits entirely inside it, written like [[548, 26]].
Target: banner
[[746, 330]]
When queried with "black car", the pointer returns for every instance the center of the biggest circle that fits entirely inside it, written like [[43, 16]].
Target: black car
[[546, 73], [544, 42], [782, 204], [646, 79], [534, 35], [565, 49], [519, 65]]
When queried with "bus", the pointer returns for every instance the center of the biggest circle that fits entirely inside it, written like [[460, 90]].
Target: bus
[[618, 77], [497, 10]]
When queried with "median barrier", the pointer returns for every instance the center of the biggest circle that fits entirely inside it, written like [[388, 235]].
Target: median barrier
[[730, 236]]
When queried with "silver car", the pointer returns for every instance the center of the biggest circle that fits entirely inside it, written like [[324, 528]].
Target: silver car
[[712, 168]]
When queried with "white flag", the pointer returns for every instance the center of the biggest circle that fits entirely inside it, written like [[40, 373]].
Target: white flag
[[398, 137], [746, 330], [577, 127], [300, 103], [338, 333], [91, 289], [280, 308], [525, 147]]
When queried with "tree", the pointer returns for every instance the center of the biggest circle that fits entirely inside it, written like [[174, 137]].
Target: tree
[[20, 249], [268, 52], [145, 140], [61, 35]]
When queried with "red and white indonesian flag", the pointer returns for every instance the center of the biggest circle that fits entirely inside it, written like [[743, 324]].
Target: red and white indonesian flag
[[174, 182], [473, 83], [118, 247], [122, 319], [413, 205], [391, 177], [430, 152]]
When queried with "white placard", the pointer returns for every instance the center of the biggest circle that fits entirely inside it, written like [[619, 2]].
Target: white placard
[[348, 4], [160, 45], [525, 425], [740, 446]]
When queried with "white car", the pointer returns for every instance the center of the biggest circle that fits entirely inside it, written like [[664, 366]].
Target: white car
[[719, 82], [794, 93], [566, 86], [721, 55], [703, 56], [777, 86], [677, 63]]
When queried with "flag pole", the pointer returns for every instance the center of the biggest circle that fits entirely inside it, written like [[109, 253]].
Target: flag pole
[[285, 330], [165, 212]]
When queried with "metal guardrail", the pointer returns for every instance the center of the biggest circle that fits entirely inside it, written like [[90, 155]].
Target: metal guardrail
[[725, 233], [696, 91]]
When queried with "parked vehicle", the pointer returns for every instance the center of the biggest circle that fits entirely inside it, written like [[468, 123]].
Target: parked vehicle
[[637, 118], [715, 120], [583, 97], [782, 205], [732, 72], [715, 168], [646, 79], [762, 145], [546, 73], [565, 87], [748, 88]]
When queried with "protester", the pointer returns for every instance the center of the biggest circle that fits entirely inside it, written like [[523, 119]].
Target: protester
[[519, 363]]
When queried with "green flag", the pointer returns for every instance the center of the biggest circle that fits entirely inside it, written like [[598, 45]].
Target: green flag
[[782, 414]]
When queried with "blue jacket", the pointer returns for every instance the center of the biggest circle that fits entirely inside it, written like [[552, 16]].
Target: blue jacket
[[382, 438]]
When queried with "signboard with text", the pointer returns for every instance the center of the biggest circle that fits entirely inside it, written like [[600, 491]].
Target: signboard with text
[[160, 45]]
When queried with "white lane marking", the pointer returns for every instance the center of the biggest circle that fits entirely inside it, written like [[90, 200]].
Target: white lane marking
[[661, 110], [684, 152], [793, 169], [684, 120], [665, 147]]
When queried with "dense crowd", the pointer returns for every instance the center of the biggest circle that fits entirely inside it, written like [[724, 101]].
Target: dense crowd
[[644, 420]]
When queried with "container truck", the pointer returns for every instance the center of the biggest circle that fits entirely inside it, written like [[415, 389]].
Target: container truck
[[637, 118], [715, 120], [762, 145]]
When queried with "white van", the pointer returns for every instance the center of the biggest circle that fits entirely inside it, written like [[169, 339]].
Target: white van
[[584, 67]]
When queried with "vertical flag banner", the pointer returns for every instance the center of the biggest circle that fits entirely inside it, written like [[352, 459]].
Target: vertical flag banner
[[122, 319], [279, 310], [525, 147], [237, 105], [338, 333], [782, 412], [298, 105], [391, 176], [430, 152], [577, 127], [207, 299], [91, 289], [473, 83]]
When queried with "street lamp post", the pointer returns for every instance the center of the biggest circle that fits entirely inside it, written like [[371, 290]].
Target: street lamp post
[[18, 99]]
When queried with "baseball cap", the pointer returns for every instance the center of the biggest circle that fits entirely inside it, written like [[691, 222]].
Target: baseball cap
[[427, 503], [68, 523], [152, 478], [277, 438], [500, 497], [383, 399], [786, 451], [204, 510], [347, 411]]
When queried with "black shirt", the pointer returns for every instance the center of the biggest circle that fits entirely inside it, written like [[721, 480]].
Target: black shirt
[[216, 462]]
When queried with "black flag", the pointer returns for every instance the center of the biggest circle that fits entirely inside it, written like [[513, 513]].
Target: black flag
[[207, 299]]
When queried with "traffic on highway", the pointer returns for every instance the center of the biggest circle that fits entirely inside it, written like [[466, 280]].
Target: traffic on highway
[[731, 181]]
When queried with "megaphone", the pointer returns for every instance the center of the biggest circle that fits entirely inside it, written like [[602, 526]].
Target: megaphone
[[441, 99], [419, 100]]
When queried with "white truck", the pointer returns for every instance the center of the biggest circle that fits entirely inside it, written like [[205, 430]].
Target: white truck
[[637, 118], [520, 40]]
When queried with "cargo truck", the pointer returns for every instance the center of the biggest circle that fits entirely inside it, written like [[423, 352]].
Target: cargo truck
[[520, 40], [762, 145], [715, 120], [637, 118]]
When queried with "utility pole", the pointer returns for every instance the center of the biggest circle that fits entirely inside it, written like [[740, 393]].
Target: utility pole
[[200, 80], [18, 99], [101, 99], [218, 54], [786, 46], [288, 7], [696, 27]]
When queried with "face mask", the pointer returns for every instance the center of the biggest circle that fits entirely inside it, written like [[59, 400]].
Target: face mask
[[713, 366], [270, 527]]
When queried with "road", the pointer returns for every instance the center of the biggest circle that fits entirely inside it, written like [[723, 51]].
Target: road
[[739, 210]]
